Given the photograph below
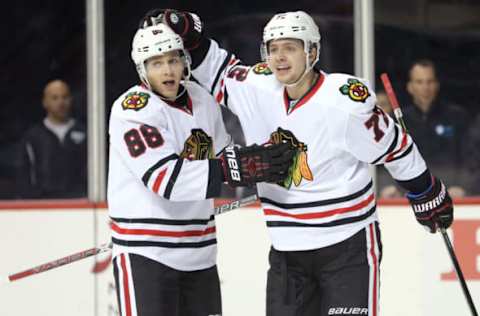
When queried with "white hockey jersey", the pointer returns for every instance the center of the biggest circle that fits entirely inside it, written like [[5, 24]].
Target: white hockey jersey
[[329, 196], [156, 193]]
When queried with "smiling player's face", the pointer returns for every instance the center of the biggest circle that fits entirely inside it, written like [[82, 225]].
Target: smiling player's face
[[286, 59], [164, 73]]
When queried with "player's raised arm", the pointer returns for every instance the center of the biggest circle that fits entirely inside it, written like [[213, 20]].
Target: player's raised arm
[[216, 69], [373, 137]]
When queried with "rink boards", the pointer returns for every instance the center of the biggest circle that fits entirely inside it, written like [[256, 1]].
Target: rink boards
[[417, 277]]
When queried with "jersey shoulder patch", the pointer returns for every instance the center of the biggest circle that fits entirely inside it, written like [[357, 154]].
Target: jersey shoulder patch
[[135, 100], [262, 69], [356, 90]]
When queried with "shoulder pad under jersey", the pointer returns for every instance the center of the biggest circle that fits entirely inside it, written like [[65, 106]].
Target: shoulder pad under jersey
[[353, 94]]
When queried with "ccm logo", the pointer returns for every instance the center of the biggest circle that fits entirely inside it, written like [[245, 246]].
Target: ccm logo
[[232, 163], [348, 311]]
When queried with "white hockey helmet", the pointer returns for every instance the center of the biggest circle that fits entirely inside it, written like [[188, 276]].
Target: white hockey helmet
[[297, 25], [154, 41]]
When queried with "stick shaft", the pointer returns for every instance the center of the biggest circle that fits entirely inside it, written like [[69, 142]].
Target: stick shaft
[[106, 247], [458, 270], [58, 263], [397, 111], [235, 204], [398, 114]]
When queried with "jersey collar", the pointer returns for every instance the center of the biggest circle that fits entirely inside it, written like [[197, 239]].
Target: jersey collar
[[183, 103], [304, 99]]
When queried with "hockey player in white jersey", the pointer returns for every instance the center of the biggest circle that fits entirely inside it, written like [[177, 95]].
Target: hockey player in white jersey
[[322, 219], [165, 135]]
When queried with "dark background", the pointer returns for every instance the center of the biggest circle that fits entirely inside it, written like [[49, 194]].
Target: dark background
[[46, 40]]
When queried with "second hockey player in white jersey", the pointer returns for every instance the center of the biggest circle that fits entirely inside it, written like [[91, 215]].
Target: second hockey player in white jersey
[[322, 219], [165, 135]]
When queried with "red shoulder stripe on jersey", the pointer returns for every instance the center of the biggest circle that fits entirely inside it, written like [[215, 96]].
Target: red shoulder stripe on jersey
[[158, 180], [323, 214], [390, 148], [162, 233], [304, 99], [229, 59], [151, 170], [173, 178], [402, 146], [219, 96]]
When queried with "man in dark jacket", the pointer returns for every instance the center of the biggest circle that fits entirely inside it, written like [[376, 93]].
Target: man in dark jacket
[[53, 153], [437, 127]]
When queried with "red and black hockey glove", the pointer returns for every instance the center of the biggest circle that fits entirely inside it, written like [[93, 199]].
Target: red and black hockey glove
[[186, 24], [433, 208], [152, 17], [245, 166]]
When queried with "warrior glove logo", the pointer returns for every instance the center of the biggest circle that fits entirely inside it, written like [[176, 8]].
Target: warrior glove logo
[[432, 204]]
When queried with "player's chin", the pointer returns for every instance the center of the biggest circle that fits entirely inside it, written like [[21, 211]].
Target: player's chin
[[283, 77]]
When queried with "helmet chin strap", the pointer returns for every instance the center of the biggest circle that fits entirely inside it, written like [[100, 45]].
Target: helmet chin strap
[[186, 78], [308, 68]]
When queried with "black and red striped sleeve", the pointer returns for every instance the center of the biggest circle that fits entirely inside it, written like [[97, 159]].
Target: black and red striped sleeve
[[149, 152]]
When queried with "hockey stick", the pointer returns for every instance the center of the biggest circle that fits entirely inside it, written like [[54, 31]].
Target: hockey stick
[[56, 263], [399, 116], [224, 208], [227, 207]]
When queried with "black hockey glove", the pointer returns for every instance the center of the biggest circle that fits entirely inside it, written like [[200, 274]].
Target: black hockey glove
[[248, 165], [187, 25], [433, 208], [152, 17]]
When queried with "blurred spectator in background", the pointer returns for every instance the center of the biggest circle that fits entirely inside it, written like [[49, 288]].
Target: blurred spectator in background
[[53, 153], [472, 156], [384, 103], [437, 127]]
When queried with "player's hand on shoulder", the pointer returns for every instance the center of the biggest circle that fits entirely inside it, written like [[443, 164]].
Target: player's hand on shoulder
[[152, 17], [245, 166], [186, 24], [433, 208]]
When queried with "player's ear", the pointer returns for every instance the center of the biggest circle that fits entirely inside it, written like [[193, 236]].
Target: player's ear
[[313, 53]]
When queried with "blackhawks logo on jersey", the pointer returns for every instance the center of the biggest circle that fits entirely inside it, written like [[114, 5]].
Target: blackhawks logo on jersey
[[262, 69], [299, 169], [135, 101], [198, 146], [355, 90]]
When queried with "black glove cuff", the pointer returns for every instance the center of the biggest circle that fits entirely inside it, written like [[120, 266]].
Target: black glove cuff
[[215, 178], [418, 184]]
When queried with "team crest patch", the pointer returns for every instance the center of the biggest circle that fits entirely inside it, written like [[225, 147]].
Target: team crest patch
[[355, 90], [300, 168], [198, 146], [262, 69], [135, 101]]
